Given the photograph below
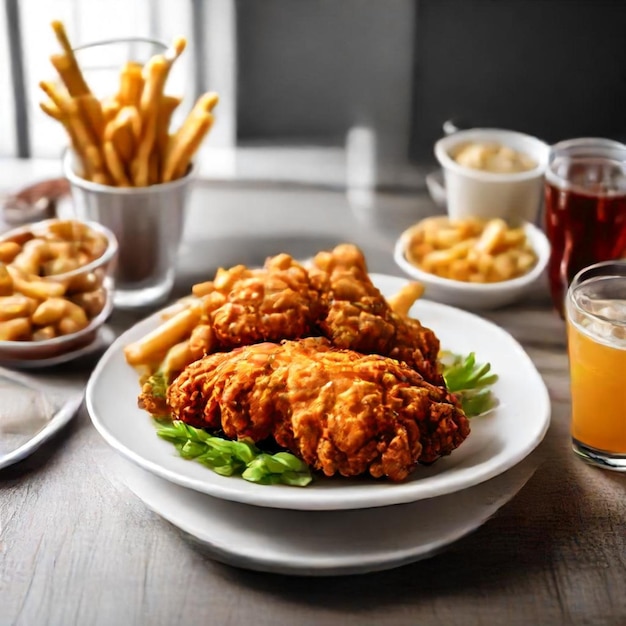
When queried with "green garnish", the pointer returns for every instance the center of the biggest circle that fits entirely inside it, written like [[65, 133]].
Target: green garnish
[[158, 383], [230, 458], [470, 382]]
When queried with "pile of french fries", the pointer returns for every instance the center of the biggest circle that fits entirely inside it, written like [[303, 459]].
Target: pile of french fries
[[469, 250], [39, 300], [124, 140]]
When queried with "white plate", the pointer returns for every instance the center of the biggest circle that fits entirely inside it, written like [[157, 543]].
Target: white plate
[[498, 441], [62, 404], [325, 543]]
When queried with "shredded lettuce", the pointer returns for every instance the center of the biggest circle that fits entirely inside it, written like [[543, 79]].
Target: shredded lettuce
[[470, 381]]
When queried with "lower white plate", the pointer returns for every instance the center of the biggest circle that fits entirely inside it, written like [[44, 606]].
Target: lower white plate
[[325, 543]]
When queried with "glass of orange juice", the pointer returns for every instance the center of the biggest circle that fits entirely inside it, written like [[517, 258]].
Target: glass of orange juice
[[596, 337]]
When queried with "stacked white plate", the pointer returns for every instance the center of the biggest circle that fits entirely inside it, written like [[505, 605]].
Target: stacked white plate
[[337, 526]]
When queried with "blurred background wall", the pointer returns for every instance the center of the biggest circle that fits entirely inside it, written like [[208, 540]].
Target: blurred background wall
[[362, 86]]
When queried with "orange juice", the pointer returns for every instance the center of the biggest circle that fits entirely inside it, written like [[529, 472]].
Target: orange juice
[[598, 385]]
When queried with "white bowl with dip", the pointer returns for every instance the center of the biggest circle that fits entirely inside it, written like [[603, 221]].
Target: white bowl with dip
[[509, 185]]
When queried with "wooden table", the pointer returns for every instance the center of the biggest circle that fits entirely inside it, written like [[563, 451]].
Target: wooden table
[[77, 547]]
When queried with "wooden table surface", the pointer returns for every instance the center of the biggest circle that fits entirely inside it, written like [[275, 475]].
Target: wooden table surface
[[77, 547]]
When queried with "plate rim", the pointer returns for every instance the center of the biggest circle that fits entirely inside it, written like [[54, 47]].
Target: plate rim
[[284, 497], [62, 417]]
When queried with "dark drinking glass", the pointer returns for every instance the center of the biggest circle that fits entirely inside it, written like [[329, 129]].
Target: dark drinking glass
[[585, 208]]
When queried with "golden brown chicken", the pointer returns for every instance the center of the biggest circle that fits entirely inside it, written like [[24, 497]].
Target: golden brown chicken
[[334, 298], [357, 316], [340, 411], [246, 306]]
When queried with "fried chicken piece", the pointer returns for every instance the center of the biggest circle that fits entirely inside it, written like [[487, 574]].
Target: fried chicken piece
[[340, 411], [358, 317], [246, 306]]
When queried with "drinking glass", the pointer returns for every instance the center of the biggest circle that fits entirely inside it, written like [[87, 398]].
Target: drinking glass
[[585, 208], [596, 330]]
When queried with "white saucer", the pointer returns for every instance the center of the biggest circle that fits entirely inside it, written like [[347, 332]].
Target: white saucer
[[324, 543]]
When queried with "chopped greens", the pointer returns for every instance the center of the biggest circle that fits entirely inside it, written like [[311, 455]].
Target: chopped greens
[[230, 458], [470, 382], [158, 383]]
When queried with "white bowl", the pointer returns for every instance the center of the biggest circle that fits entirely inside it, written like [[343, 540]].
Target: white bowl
[[477, 296], [476, 193], [101, 268]]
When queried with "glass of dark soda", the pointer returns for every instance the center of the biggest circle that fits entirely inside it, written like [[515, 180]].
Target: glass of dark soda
[[585, 208]]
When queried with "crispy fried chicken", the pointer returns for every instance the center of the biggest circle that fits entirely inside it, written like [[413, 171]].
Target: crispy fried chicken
[[334, 298], [342, 412], [246, 306], [358, 317]]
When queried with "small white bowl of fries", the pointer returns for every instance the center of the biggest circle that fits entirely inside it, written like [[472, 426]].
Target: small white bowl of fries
[[55, 288], [473, 263]]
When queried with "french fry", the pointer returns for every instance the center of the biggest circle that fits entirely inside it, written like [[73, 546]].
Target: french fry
[[131, 84], [184, 145], [177, 358], [491, 236], [167, 106], [156, 343], [90, 110], [153, 168], [115, 165], [156, 75], [120, 133], [73, 80], [402, 301], [51, 110], [110, 108], [77, 79]]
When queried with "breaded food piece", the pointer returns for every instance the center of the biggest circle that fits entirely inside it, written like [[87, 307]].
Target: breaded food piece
[[246, 306], [340, 411], [357, 316]]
